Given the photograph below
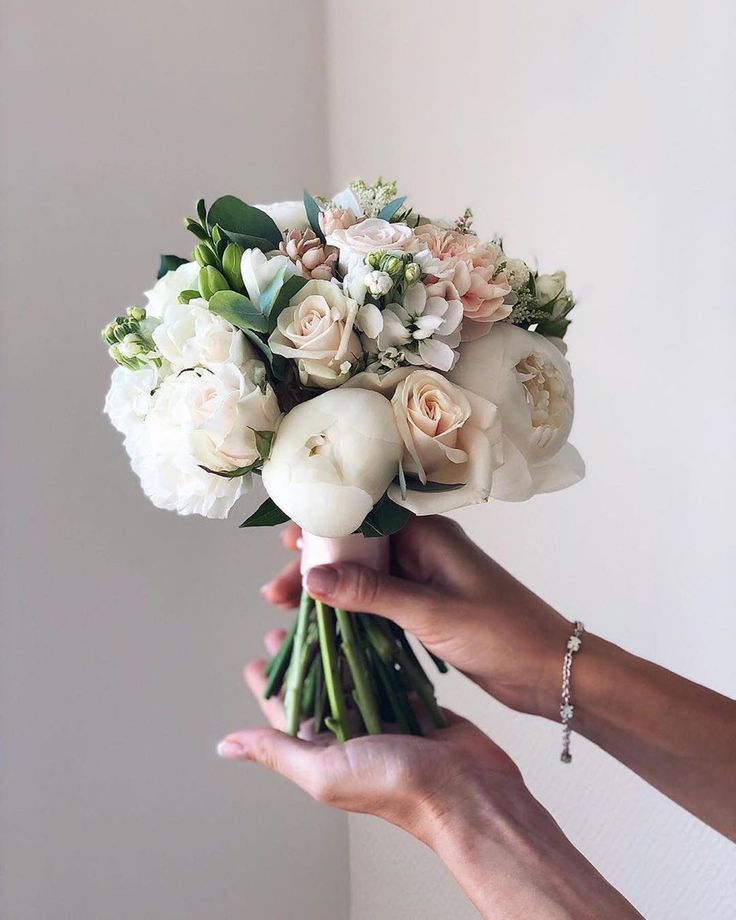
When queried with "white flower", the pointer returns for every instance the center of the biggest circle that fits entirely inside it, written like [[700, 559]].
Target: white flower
[[165, 292], [202, 417], [287, 215], [552, 289], [425, 329], [258, 272], [316, 331], [517, 273], [528, 378], [333, 458], [371, 235], [190, 335], [378, 283], [450, 436], [130, 398]]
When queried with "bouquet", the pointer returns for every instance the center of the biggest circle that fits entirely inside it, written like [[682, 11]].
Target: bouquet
[[368, 364]]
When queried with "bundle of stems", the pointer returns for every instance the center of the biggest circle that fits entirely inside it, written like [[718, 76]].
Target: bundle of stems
[[353, 673]]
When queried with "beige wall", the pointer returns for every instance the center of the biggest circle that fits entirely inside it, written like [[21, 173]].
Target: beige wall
[[125, 628], [599, 137]]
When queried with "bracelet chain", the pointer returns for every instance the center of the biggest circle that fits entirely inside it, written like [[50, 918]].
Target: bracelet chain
[[567, 710]]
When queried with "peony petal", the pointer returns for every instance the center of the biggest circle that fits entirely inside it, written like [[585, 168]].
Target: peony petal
[[436, 354]]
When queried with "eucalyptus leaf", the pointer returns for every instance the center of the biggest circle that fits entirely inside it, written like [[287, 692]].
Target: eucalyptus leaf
[[313, 211], [238, 310], [271, 291], [386, 518], [388, 210], [232, 474], [402, 480], [234, 215], [266, 515], [277, 363], [247, 241], [169, 264], [289, 288], [555, 329], [264, 440]]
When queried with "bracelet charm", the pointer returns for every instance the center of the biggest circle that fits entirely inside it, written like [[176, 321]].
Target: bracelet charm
[[567, 710]]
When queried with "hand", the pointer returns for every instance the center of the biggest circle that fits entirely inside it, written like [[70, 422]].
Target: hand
[[457, 792], [461, 604]]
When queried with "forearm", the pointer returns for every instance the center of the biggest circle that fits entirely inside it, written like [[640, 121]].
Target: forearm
[[677, 735], [514, 863]]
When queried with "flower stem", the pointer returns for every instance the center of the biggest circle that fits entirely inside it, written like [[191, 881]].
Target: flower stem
[[326, 624], [297, 667], [279, 664], [364, 696]]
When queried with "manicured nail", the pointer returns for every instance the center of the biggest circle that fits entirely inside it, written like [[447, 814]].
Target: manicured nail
[[230, 750], [322, 579]]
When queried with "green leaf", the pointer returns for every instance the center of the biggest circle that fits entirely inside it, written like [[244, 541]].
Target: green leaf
[[264, 440], [416, 485], [195, 228], [290, 287], [386, 518], [277, 363], [238, 310], [246, 241], [271, 291], [388, 211], [186, 296], [313, 212], [169, 264], [234, 215], [266, 515], [553, 328], [202, 211], [402, 480], [232, 474]]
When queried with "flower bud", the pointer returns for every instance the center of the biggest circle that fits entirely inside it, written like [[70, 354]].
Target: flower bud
[[374, 260], [392, 265], [210, 281], [412, 274], [136, 314], [231, 265], [378, 283], [204, 256]]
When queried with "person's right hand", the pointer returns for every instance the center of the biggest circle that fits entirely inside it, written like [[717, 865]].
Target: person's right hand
[[461, 604]]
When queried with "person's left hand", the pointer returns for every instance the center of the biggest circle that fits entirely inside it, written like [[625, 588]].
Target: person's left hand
[[407, 780]]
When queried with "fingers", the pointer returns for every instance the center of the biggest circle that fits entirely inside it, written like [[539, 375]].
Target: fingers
[[291, 537], [255, 677], [285, 589], [295, 759], [355, 587], [273, 639]]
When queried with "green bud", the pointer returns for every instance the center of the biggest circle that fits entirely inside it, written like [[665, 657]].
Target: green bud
[[204, 256], [211, 281], [392, 265], [231, 265], [412, 273], [216, 234], [186, 296], [374, 260], [136, 314]]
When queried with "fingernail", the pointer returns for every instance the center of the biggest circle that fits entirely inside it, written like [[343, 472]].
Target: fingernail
[[230, 750], [322, 579], [264, 588]]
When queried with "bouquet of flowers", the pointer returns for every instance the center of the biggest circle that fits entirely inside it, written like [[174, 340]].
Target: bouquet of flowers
[[368, 364]]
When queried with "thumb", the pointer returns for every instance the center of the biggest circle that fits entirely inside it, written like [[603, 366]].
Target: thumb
[[359, 588], [291, 757]]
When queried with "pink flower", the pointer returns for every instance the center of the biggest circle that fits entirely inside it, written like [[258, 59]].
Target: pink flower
[[460, 267]]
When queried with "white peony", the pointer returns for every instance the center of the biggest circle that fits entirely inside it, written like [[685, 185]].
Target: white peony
[[165, 292], [130, 398], [190, 335], [450, 435], [287, 215], [528, 378], [258, 271], [332, 459], [203, 417], [316, 331]]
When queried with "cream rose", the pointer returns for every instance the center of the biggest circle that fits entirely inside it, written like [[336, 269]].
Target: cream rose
[[450, 436], [287, 215], [333, 458], [316, 330], [528, 378], [371, 235]]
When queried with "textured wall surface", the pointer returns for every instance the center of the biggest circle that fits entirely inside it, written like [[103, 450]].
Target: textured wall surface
[[124, 627], [595, 136]]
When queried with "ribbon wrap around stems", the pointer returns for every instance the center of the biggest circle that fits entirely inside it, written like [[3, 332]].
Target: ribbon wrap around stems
[[373, 552]]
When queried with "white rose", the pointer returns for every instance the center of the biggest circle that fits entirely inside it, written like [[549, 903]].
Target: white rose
[[259, 271], [203, 417], [450, 436], [530, 381], [333, 458], [190, 335], [165, 292], [287, 215], [130, 398], [553, 289], [371, 235], [316, 330]]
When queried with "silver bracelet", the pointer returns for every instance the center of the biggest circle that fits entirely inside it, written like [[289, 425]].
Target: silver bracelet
[[567, 710]]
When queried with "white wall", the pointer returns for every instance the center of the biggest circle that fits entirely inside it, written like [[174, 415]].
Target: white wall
[[601, 138], [125, 628]]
